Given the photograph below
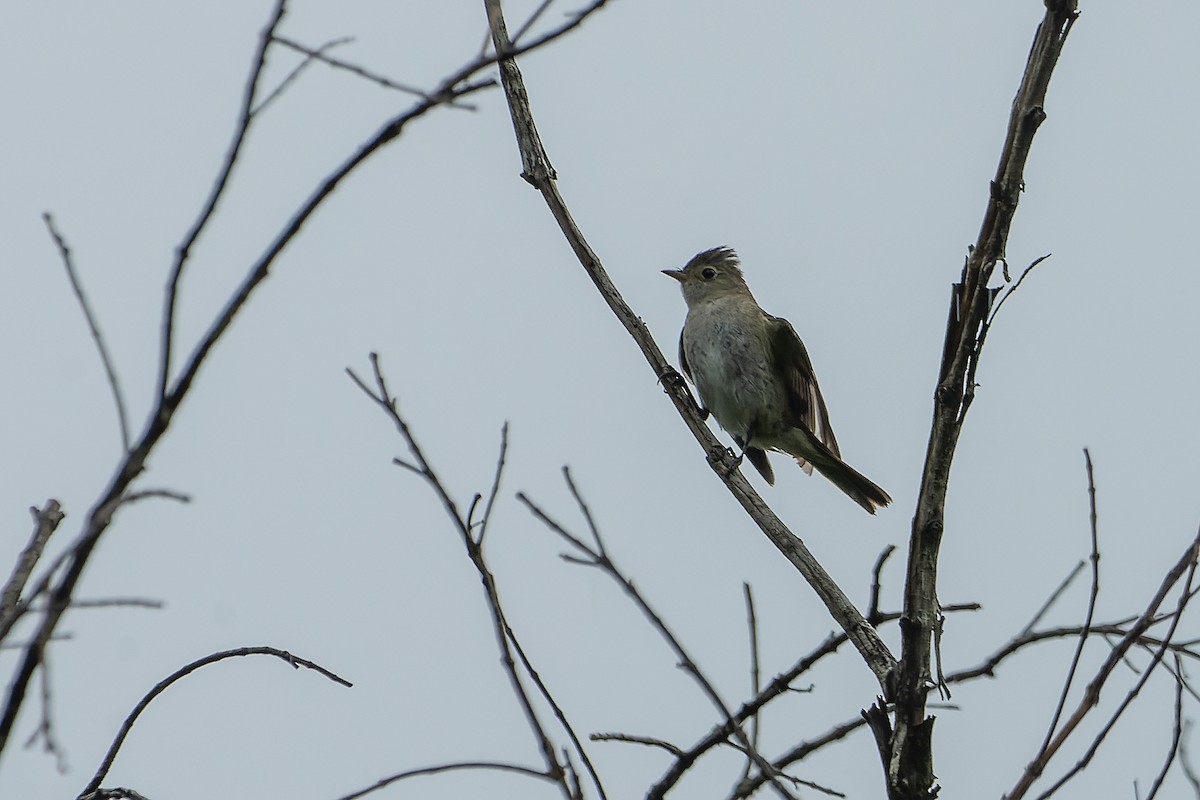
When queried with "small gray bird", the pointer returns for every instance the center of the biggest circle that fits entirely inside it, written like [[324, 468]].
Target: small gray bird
[[752, 372]]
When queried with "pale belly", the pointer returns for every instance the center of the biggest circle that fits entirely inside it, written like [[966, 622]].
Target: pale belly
[[732, 373]]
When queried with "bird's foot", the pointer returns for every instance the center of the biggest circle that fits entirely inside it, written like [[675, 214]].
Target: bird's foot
[[671, 380], [670, 377], [725, 460]]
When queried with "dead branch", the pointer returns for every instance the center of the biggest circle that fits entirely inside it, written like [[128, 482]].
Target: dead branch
[[171, 386], [596, 555], [506, 639], [537, 170], [90, 792], [45, 522], [1091, 695], [910, 763]]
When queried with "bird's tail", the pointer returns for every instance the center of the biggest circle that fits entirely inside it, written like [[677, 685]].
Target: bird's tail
[[860, 489], [856, 485]]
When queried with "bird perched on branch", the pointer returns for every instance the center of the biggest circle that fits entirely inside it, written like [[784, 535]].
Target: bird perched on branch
[[752, 372]]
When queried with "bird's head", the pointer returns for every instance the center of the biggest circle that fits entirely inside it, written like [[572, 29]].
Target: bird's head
[[709, 275]]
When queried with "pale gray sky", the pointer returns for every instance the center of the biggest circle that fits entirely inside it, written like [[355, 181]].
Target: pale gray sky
[[844, 152]]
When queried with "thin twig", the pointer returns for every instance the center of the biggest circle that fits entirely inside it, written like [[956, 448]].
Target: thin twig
[[984, 669], [491, 499], [533, 18], [506, 641], [170, 394], [245, 117], [320, 55], [1091, 695], [1132, 694], [110, 369], [1185, 761], [755, 675], [45, 728], [779, 686], [646, 740], [1091, 606], [1176, 734], [111, 602], [183, 672], [498, 766], [1014, 287], [1054, 597], [873, 600], [310, 57], [597, 556]]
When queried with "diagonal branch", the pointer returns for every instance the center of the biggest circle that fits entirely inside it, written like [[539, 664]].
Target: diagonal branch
[[1091, 695], [537, 170], [46, 521], [110, 369], [597, 556]]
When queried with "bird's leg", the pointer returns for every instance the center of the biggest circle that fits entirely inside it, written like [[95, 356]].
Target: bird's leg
[[744, 444]]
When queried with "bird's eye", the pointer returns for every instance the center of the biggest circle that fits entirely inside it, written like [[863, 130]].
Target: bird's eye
[[708, 273]]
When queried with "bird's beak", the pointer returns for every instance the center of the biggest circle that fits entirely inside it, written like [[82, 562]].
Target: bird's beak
[[677, 274]]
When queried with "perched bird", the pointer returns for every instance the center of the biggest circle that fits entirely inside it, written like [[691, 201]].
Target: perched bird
[[752, 372]]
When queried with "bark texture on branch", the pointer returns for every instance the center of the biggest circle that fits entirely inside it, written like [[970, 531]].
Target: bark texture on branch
[[909, 744]]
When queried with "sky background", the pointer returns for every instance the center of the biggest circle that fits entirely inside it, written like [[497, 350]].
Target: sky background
[[844, 152]]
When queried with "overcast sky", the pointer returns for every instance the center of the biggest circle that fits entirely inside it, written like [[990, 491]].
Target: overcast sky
[[844, 151]]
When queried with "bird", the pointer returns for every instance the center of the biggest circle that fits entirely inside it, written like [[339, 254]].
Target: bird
[[753, 374]]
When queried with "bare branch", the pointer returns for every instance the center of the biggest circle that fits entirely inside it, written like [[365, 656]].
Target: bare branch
[[93, 785], [171, 390], [311, 56], [320, 55], [45, 728], [533, 18], [873, 601], [538, 171], [992, 318], [755, 675], [110, 369], [111, 602], [245, 116], [1187, 563], [499, 766], [1054, 597], [1176, 732], [910, 764], [597, 557], [1091, 608], [646, 740], [45, 522], [1185, 761], [491, 500], [506, 640], [780, 685]]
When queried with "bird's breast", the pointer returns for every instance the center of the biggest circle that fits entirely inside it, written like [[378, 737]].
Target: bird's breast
[[726, 350]]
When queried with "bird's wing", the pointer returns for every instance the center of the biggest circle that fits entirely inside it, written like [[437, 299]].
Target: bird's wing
[[683, 359], [806, 407]]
